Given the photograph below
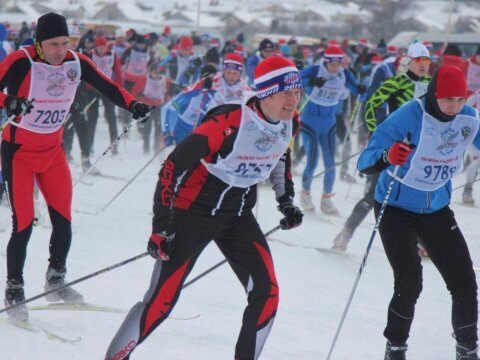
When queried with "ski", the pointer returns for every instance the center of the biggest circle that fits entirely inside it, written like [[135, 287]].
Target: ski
[[322, 218], [319, 249], [106, 176], [36, 328], [78, 307], [329, 251], [468, 205], [95, 307]]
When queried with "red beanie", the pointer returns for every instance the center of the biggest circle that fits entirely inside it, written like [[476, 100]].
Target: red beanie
[[101, 41], [233, 61], [333, 54], [186, 43], [450, 82]]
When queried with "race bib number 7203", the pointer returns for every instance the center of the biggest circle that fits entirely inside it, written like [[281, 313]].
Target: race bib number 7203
[[50, 117]]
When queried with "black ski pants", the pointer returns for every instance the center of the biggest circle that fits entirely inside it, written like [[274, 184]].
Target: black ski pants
[[444, 242], [244, 246]]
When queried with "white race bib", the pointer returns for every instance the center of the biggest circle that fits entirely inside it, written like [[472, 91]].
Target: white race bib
[[258, 147], [53, 88], [439, 153]]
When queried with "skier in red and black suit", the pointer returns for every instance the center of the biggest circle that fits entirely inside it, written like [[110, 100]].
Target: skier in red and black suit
[[209, 182], [41, 82]]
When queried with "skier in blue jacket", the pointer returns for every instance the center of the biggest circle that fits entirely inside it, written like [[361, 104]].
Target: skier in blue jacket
[[420, 148], [325, 84]]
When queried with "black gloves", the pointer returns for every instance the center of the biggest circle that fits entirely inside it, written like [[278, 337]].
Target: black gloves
[[293, 215], [361, 89], [207, 83], [141, 112], [18, 106], [318, 82], [161, 246]]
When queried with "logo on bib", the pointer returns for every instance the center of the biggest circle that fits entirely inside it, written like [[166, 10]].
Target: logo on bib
[[72, 74], [448, 145], [39, 76], [265, 142], [57, 84], [466, 131]]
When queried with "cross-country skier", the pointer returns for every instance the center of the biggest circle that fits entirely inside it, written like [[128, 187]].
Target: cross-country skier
[[185, 111], [325, 85], [41, 82], [154, 90], [235, 148], [420, 148]]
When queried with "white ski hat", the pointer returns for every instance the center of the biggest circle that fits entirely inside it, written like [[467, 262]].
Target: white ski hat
[[417, 50]]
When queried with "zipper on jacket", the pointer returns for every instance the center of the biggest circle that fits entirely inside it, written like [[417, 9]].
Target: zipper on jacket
[[428, 199], [398, 191]]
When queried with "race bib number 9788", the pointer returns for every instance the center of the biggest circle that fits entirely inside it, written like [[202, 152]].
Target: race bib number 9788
[[438, 172]]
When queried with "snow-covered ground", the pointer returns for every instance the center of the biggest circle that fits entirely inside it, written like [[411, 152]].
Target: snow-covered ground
[[313, 286]]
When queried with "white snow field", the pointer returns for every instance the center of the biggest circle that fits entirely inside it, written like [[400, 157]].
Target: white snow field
[[314, 286]]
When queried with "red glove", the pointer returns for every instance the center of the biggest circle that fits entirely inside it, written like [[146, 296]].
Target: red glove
[[160, 246], [398, 153]]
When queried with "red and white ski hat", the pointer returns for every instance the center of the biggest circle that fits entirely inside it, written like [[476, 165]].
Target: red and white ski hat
[[333, 43], [377, 59], [333, 54], [363, 42], [392, 50], [275, 74], [233, 61]]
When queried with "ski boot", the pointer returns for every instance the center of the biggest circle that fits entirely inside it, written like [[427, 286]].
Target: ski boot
[[395, 352], [306, 201], [55, 279], [340, 242], [346, 177], [15, 294], [86, 165], [467, 197], [326, 204], [467, 352]]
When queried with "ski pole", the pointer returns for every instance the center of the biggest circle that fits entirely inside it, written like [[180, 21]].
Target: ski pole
[[131, 180], [85, 109], [99, 272], [364, 261], [307, 100], [208, 271], [466, 184], [365, 256], [336, 164], [127, 128], [351, 123]]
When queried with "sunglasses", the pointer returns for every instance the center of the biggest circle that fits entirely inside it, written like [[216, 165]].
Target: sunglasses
[[421, 60]]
